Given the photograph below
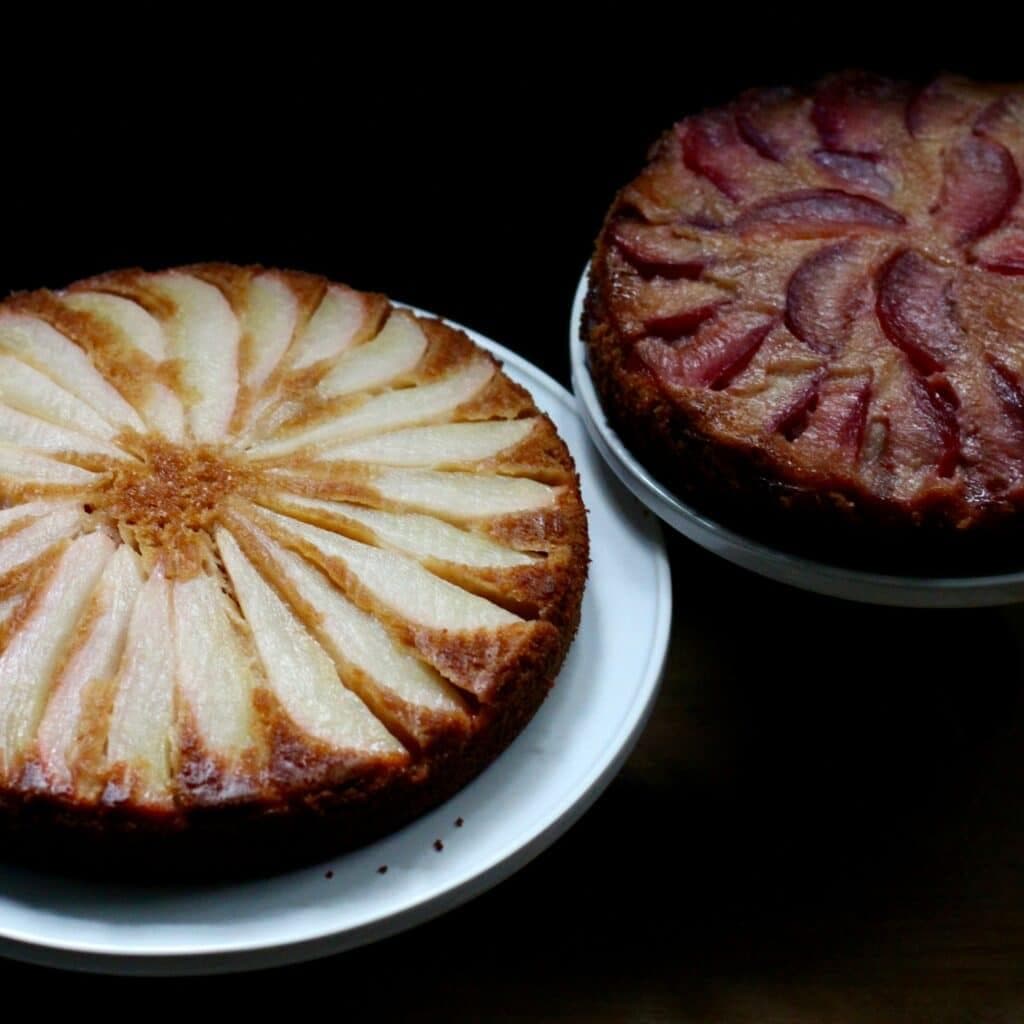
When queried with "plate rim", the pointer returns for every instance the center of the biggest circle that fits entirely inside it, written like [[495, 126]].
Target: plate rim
[[263, 951], [796, 570]]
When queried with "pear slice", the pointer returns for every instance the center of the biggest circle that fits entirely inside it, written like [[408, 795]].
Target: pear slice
[[47, 350], [269, 321], [204, 335], [163, 411], [29, 661], [266, 414], [216, 679], [140, 738], [436, 447], [155, 402], [8, 606], [389, 411], [332, 329], [18, 428], [463, 496], [134, 325], [29, 391], [400, 586], [421, 536], [298, 670], [400, 688], [39, 470], [51, 524], [17, 516], [396, 350], [92, 666], [270, 317]]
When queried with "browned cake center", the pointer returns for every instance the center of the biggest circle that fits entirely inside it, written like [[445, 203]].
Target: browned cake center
[[166, 502]]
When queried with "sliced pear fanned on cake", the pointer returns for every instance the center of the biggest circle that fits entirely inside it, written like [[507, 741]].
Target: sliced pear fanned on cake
[[388, 411], [134, 327], [53, 354], [25, 472], [423, 537], [27, 531], [398, 584], [268, 325], [447, 446], [74, 728], [460, 633], [310, 697], [140, 739], [29, 391], [135, 342], [33, 654], [396, 350], [342, 320], [204, 338], [462, 496], [29, 432], [222, 751], [415, 703], [275, 557]]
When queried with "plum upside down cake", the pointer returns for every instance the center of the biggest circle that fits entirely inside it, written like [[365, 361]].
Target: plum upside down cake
[[270, 549], [814, 301]]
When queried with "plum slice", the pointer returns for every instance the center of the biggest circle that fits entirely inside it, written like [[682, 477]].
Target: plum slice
[[719, 351], [677, 325], [857, 113], [654, 250], [937, 404], [915, 310], [679, 308], [1003, 121], [992, 429], [980, 187], [922, 434], [853, 171], [1002, 252], [836, 425], [774, 122], [790, 419], [1007, 388], [712, 147], [817, 213], [945, 104], [821, 297]]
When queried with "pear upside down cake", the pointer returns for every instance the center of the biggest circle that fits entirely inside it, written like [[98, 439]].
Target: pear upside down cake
[[270, 548], [813, 302]]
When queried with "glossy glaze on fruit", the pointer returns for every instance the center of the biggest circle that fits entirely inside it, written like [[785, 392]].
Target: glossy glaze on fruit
[[819, 296], [269, 547]]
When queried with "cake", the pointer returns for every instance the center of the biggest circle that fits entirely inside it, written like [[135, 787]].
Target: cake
[[809, 305], [278, 561]]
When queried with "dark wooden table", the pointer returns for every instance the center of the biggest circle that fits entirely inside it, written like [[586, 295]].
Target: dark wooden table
[[824, 820]]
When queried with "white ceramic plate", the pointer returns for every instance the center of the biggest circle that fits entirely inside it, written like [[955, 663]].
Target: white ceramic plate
[[526, 799], [809, 574]]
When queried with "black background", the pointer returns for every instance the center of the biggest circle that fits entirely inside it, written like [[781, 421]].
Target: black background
[[462, 163]]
